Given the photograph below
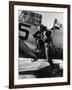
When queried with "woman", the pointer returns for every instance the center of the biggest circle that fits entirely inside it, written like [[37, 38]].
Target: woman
[[48, 44], [40, 43]]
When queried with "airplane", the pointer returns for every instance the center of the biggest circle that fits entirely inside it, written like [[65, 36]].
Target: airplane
[[27, 44]]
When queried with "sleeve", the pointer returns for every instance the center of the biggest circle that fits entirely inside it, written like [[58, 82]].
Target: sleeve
[[36, 35]]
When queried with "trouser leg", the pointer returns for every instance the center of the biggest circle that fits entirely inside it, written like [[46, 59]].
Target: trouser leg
[[47, 51], [51, 63]]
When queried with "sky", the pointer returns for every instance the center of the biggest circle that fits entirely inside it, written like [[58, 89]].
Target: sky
[[48, 18]]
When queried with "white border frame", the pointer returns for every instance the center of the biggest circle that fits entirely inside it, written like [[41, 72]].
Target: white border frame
[[40, 80]]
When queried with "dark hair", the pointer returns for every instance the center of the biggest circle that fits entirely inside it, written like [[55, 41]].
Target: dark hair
[[43, 28], [48, 33]]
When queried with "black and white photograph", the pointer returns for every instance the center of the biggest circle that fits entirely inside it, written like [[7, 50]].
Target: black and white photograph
[[39, 49], [40, 44]]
